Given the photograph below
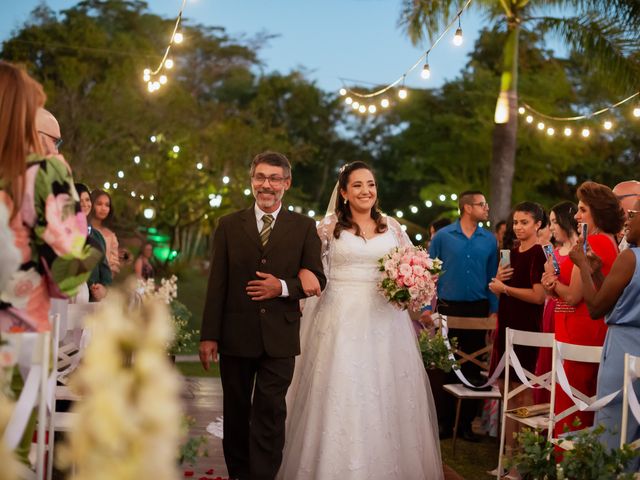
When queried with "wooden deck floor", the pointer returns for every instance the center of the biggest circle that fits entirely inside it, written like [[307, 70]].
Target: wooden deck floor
[[203, 402]]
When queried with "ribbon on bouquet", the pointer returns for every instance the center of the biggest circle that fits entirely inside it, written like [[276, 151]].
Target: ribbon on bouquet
[[444, 330]]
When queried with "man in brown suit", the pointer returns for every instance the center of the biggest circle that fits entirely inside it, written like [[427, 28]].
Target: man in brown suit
[[265, 259]]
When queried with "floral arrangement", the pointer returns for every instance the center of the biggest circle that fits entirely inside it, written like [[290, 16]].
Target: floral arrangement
[[409, 277], [128, 424], [167, 292], [435, 352], [589, 458]]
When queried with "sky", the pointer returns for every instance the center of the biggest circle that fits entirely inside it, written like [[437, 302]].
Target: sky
[[331, 39]]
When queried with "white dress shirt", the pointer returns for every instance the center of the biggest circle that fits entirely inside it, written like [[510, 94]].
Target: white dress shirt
[[260, 223]]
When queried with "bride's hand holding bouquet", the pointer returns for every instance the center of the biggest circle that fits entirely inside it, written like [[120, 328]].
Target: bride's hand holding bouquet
[[409, 276]]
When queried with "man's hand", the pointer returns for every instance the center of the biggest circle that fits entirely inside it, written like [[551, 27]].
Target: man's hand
[[426, 319], [208, 350], [268, 287], [310, 283]]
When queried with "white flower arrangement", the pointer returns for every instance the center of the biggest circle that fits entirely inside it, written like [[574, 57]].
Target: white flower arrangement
[[128, 422]]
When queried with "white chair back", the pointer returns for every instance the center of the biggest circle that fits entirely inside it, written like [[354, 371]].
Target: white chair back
[[629, 398]]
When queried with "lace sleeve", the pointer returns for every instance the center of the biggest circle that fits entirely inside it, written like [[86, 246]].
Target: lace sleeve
[[326, 227], [401, 236]]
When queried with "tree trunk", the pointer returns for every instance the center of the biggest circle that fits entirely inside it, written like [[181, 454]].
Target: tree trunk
[[504, 134]]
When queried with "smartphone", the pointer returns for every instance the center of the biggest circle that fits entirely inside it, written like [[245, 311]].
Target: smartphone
[[548, 251], [505, 257], [584, 231]]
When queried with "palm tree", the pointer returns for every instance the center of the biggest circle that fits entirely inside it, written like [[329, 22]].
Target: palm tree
[[606, 32]]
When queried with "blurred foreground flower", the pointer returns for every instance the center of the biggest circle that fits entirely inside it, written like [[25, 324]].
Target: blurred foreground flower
[[128, 421]]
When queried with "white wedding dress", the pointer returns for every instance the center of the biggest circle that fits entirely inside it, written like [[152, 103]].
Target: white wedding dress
[[360, 404]]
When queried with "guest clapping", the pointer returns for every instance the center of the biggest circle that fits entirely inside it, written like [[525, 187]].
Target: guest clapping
[[101, 218], [600, 210]]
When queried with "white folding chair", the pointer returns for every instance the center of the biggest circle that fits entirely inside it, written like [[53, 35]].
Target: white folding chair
[[629, 398], [530, 380], [576, 353], [479, 357], [32, 352]]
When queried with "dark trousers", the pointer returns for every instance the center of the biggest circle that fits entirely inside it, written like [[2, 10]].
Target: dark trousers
[[254, 391], [468, 341]]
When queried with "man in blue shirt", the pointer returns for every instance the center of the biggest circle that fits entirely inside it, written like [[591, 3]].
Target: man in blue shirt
[[470, 260]]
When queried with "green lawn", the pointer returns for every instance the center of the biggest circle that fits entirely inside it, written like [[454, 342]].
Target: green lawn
[[195, 369], [472, 460]]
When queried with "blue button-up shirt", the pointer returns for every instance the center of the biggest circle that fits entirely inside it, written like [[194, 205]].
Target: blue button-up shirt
[[469, 264]]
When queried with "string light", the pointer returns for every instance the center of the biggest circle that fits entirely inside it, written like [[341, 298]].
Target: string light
[[567, 132], [199, 165], [608, 125], [348, 100], [152, 197], [636, 112], [106, 185], [551, 131], [384, 103], [454, 197], [540, 125], [413, 209], [176, 149], [428, 204], [226, 180], [153, 138], [120, 174], [529, 119], [166, 62], [457, 38], [362, 109], [399, 214], [521, 110], [115, 185], [442, 197], [585, 132], [136, 159], [372, 109], [423, 60], [247, 192], [355, 105]]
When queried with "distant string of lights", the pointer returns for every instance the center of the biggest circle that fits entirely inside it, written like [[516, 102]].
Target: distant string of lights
[[157, 78], [545, 123], [360, 101]]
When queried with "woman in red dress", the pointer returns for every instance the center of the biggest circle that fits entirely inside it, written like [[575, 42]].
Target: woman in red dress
[[599, 208]]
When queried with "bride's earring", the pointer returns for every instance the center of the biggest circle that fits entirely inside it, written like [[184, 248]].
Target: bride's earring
[[346, 200]]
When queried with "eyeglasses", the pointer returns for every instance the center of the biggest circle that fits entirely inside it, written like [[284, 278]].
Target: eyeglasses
[[57, 140], [274, 180], [631, 213], [627, 195], [481, 204]]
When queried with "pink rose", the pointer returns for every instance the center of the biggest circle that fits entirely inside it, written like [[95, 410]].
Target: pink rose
[[418, 270], [414, 292], [405, 269], [420, 282], [20, 287], [66, 231], [389, 266], [409, 281]]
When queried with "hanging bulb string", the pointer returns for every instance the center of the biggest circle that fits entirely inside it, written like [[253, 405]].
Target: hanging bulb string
[[168, 49], [581, 117], [420, 60]]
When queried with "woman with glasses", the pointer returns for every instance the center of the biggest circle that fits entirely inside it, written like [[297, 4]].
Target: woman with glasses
[[617, 300], [599, 210]]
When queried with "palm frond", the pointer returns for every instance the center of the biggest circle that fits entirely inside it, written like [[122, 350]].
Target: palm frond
[[601, 39], [422, 18]]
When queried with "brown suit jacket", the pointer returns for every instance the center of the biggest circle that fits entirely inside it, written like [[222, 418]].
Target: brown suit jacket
[[241, 326]]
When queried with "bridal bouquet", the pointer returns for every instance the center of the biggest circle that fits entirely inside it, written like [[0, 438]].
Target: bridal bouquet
[[409, 277]]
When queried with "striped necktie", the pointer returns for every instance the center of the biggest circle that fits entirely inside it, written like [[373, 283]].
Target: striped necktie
[[266, 229]]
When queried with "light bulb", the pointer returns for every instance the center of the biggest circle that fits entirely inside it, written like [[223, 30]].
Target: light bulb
[[150, 87], [163, 79], [153, 138], [413, 209], [115, 186], [585, 132], [567, 132], [141, 197], [384, 103], [199, 165], [551, 131], [521, 110], [146, 77], [226, 180], [457, 38], [178, 37], [343, 91], [152, 197], [402, 93], [311, 213], [148, 213], [362, 109], [176, 149], [147, 71], [399, 214], [355, 105], [106, 185], [540, 126], [372, 109], [156, 85], [168, 63], [426, 72], [529, 119], [247, 192], [133, 194], [442, 197], [454, 197], [418, 237], [136, 159], [120, 174], [348, 100], [636, 112], [428, 204], [608, 125]]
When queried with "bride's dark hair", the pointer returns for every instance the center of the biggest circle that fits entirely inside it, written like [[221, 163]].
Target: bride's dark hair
[[343, 210]]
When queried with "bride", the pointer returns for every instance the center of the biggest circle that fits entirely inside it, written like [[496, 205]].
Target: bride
[[360, 405]]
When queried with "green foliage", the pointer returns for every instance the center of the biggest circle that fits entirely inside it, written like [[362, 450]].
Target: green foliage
[[587, 460], [193, 447], [435, 353], [184, 336]]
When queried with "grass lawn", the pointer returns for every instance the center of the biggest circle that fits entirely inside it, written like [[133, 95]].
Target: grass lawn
[[472, 460]]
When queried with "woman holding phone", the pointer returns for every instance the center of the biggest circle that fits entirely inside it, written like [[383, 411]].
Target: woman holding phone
[[521, 295], [600, 210]]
